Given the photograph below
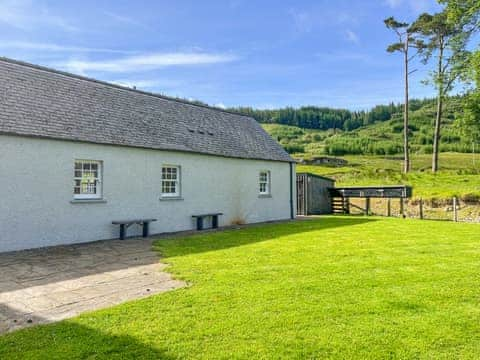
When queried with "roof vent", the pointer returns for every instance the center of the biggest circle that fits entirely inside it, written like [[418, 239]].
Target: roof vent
[[200, 131]]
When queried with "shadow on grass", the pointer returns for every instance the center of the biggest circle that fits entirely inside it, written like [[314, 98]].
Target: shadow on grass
[[69, 340], [225, 239]]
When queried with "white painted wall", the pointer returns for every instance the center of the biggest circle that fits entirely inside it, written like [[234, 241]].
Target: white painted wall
[[36, 190]]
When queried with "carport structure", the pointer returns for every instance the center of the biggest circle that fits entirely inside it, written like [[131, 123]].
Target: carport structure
[[341, 197]]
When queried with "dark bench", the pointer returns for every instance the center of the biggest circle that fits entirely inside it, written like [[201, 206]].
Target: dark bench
[[200, 218], [124, 225]]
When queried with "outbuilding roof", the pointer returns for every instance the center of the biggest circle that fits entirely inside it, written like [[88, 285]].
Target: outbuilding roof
[[41, 102]]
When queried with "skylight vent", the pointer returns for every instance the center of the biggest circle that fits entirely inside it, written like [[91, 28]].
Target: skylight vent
[[200, 131]]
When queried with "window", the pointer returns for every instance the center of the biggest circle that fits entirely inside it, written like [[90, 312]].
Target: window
[[87, 179], [170, 181], [264, 182]]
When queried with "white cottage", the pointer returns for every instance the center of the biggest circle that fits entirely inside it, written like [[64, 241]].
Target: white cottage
[[77, 154]]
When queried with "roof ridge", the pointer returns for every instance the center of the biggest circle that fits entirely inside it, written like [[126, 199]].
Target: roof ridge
[[121, 87]]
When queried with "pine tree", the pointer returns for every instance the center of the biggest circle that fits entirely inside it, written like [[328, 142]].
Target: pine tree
[[446, 41], [406, 40]]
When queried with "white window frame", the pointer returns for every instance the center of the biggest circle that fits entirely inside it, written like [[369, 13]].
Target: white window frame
[[177, 181], [97, 180], [266, 182]]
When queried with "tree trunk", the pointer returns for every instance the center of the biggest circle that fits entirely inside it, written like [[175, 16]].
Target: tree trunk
[[406, 150], [436, 136], [438, 118]]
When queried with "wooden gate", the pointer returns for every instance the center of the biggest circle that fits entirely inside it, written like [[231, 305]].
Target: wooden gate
[[301, 194]]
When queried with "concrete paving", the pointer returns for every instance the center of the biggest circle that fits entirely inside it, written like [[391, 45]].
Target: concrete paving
[[46, 285]]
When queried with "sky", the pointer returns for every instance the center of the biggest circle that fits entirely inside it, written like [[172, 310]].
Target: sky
[[263, 54]]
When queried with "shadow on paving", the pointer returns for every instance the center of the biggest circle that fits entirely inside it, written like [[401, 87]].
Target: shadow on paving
[[249, 234], [13, 319], [39, 267], [68, 340]]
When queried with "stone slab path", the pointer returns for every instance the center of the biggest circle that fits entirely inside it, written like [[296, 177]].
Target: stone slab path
[[46, 285]]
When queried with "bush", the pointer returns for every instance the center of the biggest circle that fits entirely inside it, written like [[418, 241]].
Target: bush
[[427, 149], [342, 146], [470, 198], [294, 148], [397, 128]]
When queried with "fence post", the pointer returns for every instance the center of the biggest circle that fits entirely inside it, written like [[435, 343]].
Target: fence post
[[402, 211], [455, 213], [420, 204], [389, 207], [367, 206]]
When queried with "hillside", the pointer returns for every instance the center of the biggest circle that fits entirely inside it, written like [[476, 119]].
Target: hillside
[[374, 151], [322, 131]]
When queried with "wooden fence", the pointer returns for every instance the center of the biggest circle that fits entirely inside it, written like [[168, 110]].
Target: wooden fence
[[450, 209]]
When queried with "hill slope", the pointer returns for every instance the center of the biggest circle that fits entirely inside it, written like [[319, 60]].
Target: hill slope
[[312, 131]]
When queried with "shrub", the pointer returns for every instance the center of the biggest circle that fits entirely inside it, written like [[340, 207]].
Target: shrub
[[294, 148], [470, 198]]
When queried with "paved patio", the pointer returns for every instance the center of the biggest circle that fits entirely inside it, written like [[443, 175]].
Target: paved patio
[[46, 285]]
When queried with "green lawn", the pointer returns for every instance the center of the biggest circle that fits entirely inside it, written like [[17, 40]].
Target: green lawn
[[334, 287], [458, 175]]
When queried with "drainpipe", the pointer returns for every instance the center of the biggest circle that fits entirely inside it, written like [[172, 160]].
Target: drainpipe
[[292, 212]]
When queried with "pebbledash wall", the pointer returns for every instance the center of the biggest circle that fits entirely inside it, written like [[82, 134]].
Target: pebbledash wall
[[36, 191]]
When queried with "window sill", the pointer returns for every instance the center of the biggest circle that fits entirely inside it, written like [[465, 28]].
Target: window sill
[[88, 201], [265, 195], [171, 198]]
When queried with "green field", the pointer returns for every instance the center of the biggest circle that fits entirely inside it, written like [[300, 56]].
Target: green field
[[333, 287], [458, 175]]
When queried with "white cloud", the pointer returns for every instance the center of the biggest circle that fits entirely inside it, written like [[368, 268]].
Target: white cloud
[[352, 36], [26, 15], [220, 105], [148, 83], [145, 62], [27, 45]]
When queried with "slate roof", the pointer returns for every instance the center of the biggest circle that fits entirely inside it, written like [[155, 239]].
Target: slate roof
[[41, 102]]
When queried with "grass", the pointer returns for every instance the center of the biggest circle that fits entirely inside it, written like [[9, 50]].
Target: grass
[[334, 287], [458, 176]]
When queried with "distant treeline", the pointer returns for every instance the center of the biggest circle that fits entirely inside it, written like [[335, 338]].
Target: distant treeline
[[324, 118]]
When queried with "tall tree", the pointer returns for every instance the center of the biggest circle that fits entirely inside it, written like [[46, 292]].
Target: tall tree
[[446, 42], [406, 40], [466, 13], [469, 120]]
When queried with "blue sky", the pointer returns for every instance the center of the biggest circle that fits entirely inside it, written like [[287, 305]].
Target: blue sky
[[263, 54]]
